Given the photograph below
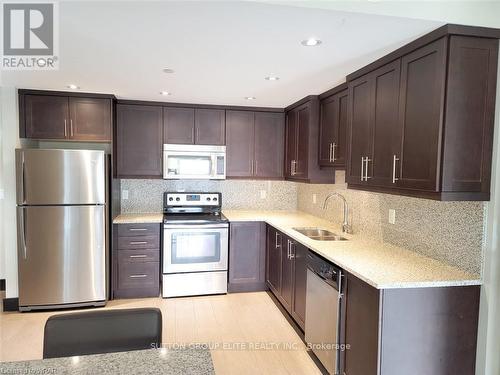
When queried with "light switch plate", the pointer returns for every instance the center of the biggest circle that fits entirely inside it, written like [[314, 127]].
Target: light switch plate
[[2, 194], [314, 199], [124, 194], [263, 194], [392, 216]]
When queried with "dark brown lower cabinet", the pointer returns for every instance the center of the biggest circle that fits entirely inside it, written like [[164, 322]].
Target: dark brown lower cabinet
[[286, 273], [413, 331], [247, 257], [136, 260]]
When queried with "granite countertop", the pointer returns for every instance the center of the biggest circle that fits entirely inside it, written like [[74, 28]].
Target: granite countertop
[[151, 361], [379, 264], [138, 218]]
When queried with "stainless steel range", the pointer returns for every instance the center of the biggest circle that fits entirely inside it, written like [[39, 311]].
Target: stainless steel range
[[195, 244]]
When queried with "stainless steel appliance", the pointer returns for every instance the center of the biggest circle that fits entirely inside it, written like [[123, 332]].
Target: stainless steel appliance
[[323, 311], [195, 245], [62, 231], [194, 162]]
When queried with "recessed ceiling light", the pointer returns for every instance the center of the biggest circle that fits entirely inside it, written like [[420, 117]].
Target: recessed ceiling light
[[165, 93], [168, 70], [73, 87], [311, 42], [272, 78], [250, 97]]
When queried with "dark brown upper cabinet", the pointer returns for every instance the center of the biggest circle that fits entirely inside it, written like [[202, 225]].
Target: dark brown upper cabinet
[[254, 143], [139, 141], [301, 143], [194, 126], [210, 127], [178, 125], [65, 116], [333, 127], [421, 123]]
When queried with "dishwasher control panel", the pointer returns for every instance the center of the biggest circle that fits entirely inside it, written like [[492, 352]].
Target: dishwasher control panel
[[324, 269]]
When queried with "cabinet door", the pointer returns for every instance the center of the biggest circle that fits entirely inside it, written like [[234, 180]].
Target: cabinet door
[[328, 123], [299, 254], [90, 119], [273, 263], [291, 143], [340, 141], [286, 274], [178, 125], [46, 117], [302, 165], [361, 327], [423, 75], [139, 141], [210, 127], [386, 131], [240, 143], [247, 259], [360, 117], [269, 131]]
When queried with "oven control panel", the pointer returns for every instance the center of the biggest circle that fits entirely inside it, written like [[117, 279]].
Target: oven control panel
[[192, 199]]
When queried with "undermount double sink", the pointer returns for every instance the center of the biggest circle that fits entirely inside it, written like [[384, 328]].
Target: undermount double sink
[[319, 234]]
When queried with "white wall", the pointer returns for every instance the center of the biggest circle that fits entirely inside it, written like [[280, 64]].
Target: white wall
[[2, 247], [488, 360], [8, 228]]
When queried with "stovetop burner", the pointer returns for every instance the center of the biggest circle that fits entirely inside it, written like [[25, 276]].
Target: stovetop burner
[[194, 218]]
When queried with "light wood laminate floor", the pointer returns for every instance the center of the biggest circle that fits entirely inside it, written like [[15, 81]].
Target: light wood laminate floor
[[247, 332]]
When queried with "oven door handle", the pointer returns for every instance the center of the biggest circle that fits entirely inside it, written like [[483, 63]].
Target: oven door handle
[[195, 226]]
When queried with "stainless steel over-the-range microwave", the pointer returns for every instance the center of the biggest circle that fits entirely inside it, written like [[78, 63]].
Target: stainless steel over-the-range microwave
[[194, 162]]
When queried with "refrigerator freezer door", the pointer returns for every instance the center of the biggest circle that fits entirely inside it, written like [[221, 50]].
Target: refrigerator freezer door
[[61, 255], [53, 177]]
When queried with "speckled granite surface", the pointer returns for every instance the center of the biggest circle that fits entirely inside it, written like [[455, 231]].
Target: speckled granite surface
[[153, 361], [138, 218], [451, 232], [379, 264]]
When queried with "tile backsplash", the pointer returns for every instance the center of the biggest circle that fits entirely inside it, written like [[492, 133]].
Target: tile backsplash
[[147, 195], [451, 232]]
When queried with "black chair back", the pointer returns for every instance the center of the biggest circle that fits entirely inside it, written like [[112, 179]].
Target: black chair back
[[102, 331]]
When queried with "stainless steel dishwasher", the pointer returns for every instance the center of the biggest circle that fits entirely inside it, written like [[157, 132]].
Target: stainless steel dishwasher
[[323, 311]]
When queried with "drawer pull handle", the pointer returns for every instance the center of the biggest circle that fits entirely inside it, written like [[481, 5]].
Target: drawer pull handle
[[137, 229], [138, 242], [137, 276], [138, 256]]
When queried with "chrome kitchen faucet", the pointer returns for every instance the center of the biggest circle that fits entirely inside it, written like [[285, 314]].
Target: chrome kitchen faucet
[[346, 228]]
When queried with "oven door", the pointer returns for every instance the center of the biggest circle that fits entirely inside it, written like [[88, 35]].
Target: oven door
[[193, 248]]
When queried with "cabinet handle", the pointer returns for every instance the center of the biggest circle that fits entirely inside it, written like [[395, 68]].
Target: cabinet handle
[[137, 229], [292, 253], [251, 167], [362, 168], [394, 160], [366, 168], [65, 128], [71, 127], [288, 249], [330, 155], [138, 256], [277, 245], [255, 167], [333, 152], [138, 276], [138, 242]]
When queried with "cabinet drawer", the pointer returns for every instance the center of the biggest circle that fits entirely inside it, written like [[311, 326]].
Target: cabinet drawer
[[143, 242], [138, 256], [138, 275], [140, 229]]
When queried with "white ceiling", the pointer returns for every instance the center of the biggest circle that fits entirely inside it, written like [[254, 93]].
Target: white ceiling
[[220, 51]]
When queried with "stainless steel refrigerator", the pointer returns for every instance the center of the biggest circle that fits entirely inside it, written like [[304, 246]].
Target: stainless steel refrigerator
[[62, 230]]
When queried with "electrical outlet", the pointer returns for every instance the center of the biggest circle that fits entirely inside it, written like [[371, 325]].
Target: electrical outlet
[[392, 216], [124, 194], [314, 199], [263, 194]]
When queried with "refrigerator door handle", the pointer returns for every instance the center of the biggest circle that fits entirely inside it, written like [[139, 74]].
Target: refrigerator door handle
[[22, 222], [23, 179]]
